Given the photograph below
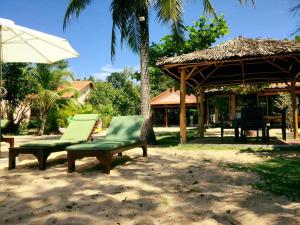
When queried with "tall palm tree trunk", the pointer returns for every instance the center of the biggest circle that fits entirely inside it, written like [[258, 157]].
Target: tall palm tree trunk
[[145, 77], [144, 64]]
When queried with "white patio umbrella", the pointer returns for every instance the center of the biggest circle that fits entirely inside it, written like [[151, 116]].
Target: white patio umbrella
[[21, 44]]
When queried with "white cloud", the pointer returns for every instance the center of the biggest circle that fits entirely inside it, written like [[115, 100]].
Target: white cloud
[[108, 69]]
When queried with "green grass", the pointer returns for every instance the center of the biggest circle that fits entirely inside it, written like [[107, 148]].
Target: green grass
[[173, 138], [213, 147], [279, 176]]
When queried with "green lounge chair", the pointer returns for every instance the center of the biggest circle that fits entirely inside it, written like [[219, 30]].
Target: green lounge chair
[[78, 131], [124, 133]]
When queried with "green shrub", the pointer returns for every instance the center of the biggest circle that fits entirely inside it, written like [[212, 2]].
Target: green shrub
[[34, 123], [52, 121]]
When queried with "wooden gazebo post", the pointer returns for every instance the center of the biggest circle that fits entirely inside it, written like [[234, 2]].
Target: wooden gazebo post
[[295, 109], [200, 101], [182, 107]]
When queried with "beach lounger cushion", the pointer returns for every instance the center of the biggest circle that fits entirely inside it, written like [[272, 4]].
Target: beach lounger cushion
[[125, 128], [50, 143], [102, 145], [80, 127]]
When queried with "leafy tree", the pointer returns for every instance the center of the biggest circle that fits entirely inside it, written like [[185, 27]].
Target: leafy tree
[[102, 94], [117, 80], [18, 86], [50, 82], [118, 95], [202, 34], [102, 98], [131, 18], [127, 100]]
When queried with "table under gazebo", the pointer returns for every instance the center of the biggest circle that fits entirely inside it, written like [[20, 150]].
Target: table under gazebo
[[239, 61]]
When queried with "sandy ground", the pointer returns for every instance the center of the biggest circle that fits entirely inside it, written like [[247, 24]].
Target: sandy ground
[[170, 186]]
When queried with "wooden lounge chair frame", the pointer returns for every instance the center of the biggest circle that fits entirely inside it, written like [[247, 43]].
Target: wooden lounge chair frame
[[41, 153], [105, 157]]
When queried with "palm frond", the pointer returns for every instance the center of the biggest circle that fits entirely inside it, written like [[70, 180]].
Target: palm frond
[[46, 99], [74, 8], [133, 35], [297, 31], [169, 10], [123, 12], [70, 89], [246, 1], [178, 32], [113, 42], [209, 8], [295, 10]]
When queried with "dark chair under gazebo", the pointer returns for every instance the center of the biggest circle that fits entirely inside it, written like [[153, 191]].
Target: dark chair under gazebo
[[252, 119]]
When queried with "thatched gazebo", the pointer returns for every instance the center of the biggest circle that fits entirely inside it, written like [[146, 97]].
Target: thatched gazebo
[[238, 61]]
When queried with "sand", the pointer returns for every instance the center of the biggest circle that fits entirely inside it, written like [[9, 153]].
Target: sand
[[170, 186]]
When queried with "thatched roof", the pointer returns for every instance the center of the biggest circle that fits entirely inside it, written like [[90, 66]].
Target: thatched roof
[[238, 61], [237, 48]]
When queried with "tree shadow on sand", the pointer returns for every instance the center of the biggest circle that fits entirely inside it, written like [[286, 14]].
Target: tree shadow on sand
[[164, 188]]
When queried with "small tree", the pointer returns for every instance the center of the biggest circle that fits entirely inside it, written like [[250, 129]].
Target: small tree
[[18, 85], [50, 82]]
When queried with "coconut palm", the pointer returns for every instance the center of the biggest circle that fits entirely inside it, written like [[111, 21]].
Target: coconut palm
[[131, 18], [50, 82]]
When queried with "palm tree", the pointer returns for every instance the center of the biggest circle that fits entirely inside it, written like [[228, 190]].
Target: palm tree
[[131, 18], [50, 82]]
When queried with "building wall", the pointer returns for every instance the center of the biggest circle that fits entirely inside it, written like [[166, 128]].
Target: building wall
[[83, 95]]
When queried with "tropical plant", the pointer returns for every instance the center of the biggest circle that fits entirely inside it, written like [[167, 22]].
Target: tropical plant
[[18, 86], [50, 82], [131, 18]]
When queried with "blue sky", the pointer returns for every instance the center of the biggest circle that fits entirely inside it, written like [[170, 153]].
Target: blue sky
[[90, 35]]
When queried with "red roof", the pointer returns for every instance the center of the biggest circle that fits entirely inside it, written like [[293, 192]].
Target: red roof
[[172, 97], [78, 85]]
